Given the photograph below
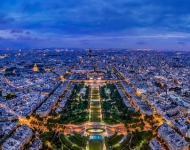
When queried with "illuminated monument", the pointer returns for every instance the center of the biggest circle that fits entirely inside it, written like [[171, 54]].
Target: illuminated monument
[[35, 68]]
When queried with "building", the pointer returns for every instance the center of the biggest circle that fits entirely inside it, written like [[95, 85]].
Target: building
[[172, 139], [17, 141], [154, 145], [35, 68], [36, 145]]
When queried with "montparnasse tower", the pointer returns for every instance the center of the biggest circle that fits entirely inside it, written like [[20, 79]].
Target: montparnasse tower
[[35, 68]]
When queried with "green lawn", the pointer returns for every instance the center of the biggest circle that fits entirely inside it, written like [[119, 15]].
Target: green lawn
[[95, 110], [95, 117], [94, 104], [95, 94], [95, 91], [95, 145], [95, 97]]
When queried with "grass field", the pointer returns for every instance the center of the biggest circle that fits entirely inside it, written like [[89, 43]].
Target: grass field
[[95, 117], [95, 110], [94, 104], [95, 97], [95, 93], [95, 145]]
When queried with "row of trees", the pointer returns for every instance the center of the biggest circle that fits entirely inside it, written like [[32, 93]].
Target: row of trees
[[76, 108], [135, 140]]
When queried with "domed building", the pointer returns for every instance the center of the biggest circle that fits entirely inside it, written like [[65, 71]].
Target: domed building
[[35, 68]]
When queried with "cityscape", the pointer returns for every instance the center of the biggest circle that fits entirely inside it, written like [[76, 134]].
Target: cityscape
[[94, 99], [94, 75]]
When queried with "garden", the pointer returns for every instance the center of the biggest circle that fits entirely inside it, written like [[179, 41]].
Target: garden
[[95, 111], [76, 108], [53, 140], [113, 140], [95, 145], [135, 140]]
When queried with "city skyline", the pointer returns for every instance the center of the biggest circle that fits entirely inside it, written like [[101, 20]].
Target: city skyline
[[94, 100], [125, 24]]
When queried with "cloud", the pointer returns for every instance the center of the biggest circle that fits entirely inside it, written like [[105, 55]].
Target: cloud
[[5, 19], [1, 39], [181, 43], [16, 31], [141, 43], [90, 21], [27, 32], [17, 34]]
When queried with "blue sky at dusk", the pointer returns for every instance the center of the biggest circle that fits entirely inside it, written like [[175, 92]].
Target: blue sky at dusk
[[155, 24]]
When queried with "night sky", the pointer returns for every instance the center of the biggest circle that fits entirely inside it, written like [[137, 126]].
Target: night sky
[[152, 24]]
